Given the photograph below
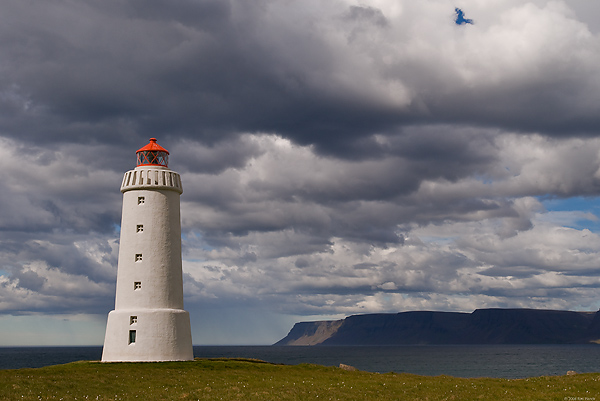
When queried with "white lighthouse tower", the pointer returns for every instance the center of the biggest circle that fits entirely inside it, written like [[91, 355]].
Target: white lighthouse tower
[[149, 323]]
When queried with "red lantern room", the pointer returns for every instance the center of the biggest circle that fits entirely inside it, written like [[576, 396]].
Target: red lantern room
[[153, 155]]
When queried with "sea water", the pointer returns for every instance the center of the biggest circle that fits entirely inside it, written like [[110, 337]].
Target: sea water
[[502, 361]]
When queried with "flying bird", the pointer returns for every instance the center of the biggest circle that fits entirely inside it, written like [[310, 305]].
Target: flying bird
[[460, 17]]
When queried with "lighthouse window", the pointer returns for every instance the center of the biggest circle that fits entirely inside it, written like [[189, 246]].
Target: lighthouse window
[[137, 285], [152, 157], [138, 257], [131, 336], [141, 200], [132, 319], [139, 228]]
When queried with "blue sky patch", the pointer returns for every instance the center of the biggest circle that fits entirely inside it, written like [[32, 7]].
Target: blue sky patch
[[582, 206], [460, 17]]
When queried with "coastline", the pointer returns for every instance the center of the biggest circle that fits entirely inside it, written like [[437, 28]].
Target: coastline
[[498, 361], [229, 379]]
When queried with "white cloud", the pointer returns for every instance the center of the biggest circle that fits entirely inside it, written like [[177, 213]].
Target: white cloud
[[506, 250], [337, 157]]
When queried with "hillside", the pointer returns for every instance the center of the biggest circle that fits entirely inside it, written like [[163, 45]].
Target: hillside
[[238, 379], [483, 326]]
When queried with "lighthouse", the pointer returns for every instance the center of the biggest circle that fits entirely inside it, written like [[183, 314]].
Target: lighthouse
[[149, 322]]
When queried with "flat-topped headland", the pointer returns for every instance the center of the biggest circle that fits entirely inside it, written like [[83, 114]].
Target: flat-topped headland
[[483, 326]]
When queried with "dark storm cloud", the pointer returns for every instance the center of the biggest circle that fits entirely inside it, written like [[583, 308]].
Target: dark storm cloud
[[162, 68], [46, 189], [72, 259], [206, 69], [364, 200], [233, 153], [30, 280], [47, 276]]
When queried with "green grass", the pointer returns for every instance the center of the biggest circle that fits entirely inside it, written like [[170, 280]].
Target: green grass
[[243, 379]]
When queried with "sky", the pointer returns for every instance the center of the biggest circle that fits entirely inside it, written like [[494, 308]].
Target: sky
[[338, 158]]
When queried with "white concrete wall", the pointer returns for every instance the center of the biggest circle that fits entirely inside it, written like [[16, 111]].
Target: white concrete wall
[[159, 244], [149, 254], [161, 335]]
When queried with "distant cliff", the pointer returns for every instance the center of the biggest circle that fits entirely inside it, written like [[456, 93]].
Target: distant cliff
[[483, 326]]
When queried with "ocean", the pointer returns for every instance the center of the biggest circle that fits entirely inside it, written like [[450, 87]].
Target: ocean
[[501, 361]]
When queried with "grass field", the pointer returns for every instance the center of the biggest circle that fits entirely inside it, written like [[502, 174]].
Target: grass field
[[231, 379]]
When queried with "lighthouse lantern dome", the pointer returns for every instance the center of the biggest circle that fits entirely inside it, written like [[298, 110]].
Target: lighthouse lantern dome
[[153, 155]]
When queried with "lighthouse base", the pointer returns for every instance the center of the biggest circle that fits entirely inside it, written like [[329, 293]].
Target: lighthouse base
[[148, 335]]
